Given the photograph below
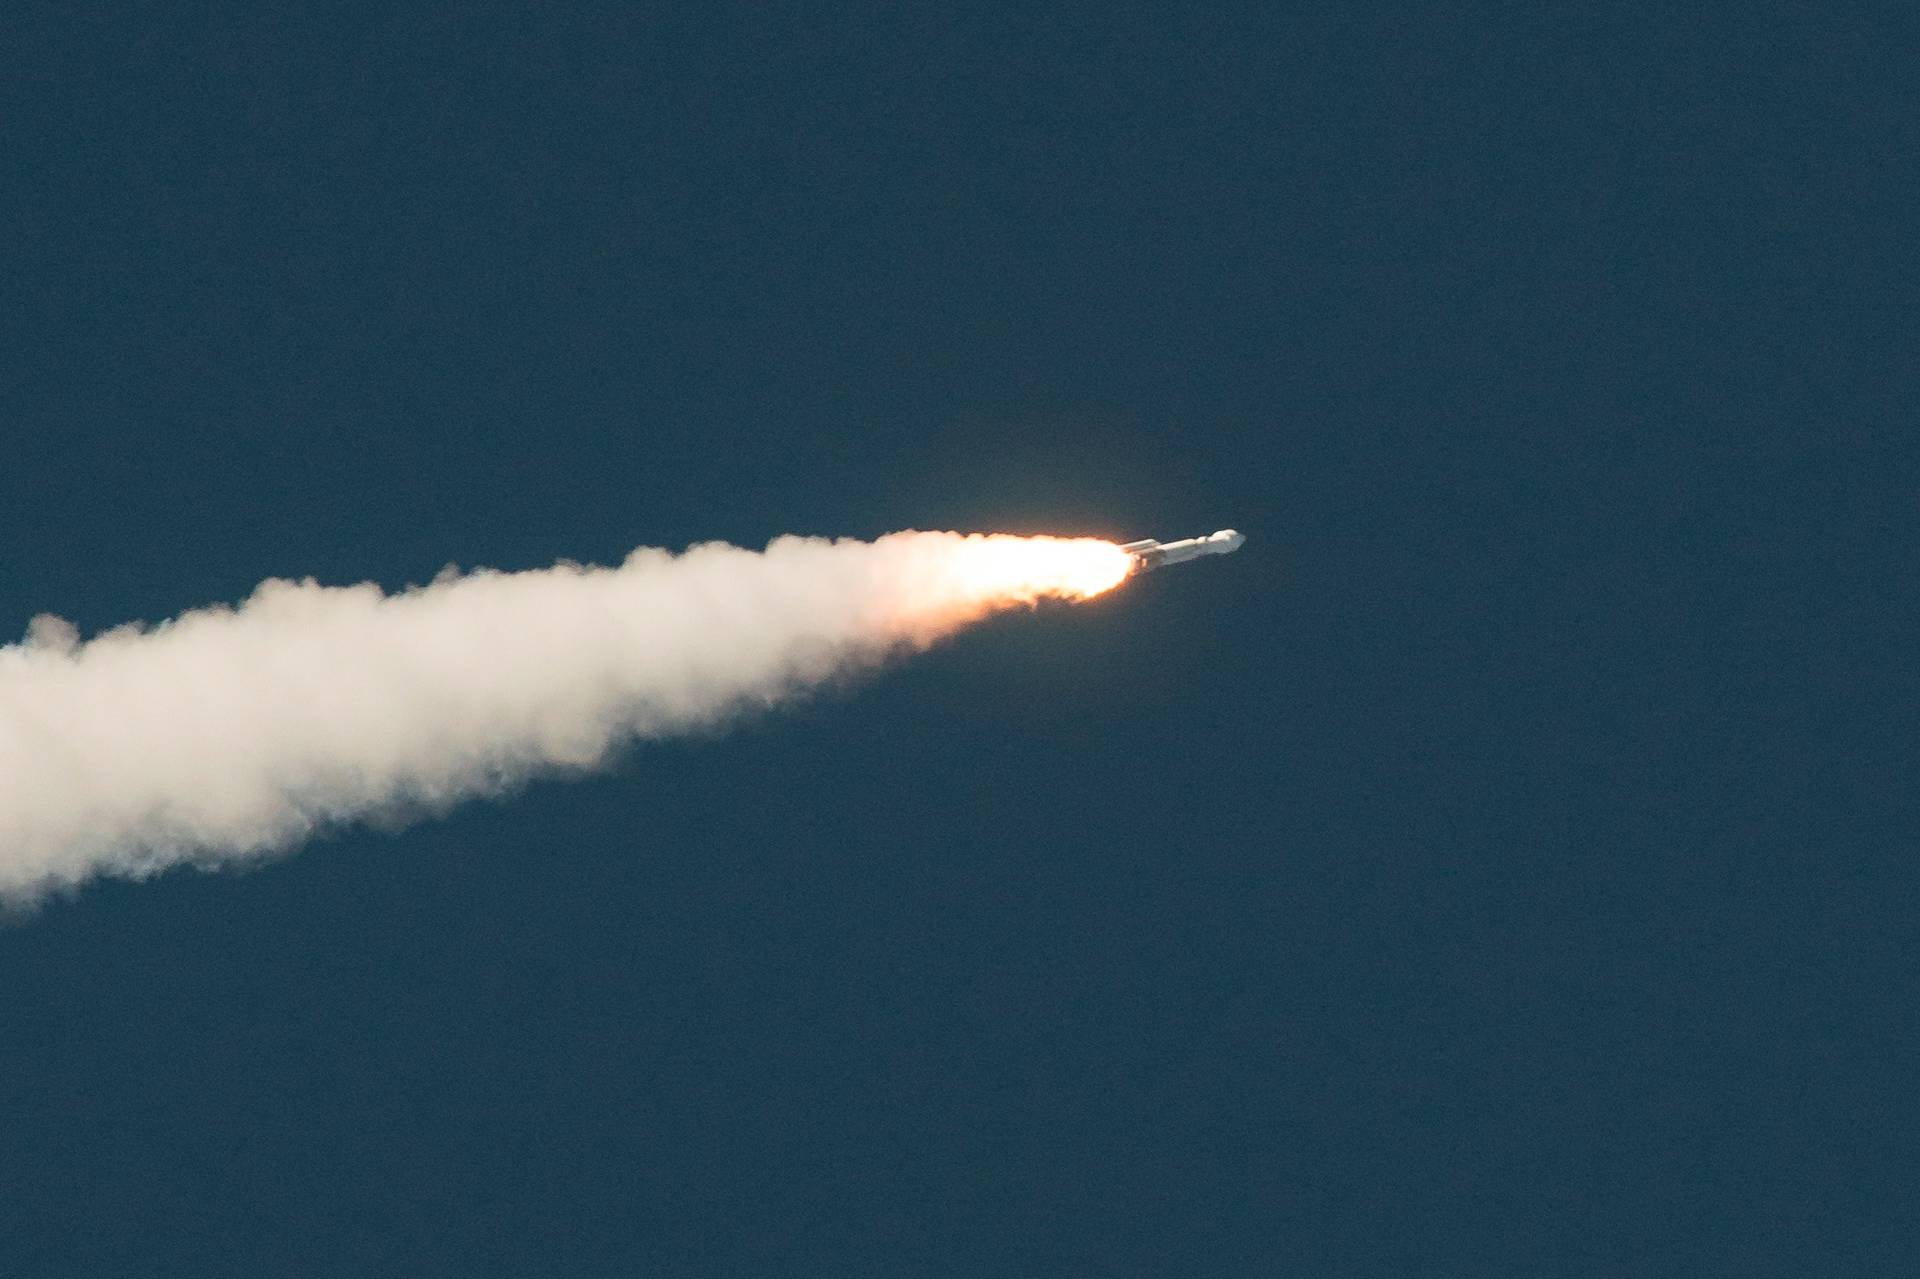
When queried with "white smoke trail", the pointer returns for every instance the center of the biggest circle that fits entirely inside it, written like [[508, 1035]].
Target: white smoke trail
[[228, 733]]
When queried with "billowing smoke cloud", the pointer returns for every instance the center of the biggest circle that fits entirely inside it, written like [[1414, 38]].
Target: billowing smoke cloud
[[227, 733]]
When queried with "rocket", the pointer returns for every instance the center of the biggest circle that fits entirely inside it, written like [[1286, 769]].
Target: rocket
[[1151, 554]]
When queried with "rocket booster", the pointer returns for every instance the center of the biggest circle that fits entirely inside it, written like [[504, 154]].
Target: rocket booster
[[1149, 554]]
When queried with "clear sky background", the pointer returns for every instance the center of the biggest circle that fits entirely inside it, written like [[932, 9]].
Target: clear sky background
[[1504, 865]]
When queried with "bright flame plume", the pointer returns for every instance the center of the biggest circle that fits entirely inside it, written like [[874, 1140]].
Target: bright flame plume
[[227, 733]]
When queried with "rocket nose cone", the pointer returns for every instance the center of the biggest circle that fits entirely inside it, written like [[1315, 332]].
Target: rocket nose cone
[[1230, 538]]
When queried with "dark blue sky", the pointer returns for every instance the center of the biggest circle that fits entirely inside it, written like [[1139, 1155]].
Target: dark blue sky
[[1504, 865]]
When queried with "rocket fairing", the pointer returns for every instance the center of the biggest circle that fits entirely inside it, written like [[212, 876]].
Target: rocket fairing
[[1149, 554]]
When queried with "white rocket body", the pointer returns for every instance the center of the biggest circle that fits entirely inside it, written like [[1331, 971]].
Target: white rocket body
[[1149, 554]]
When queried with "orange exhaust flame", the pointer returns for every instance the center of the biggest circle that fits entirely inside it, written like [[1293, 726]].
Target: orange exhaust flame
[[960, 577], [995, 570]]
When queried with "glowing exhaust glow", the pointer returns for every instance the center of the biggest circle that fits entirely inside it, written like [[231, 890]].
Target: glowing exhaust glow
[[1000, 567]]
